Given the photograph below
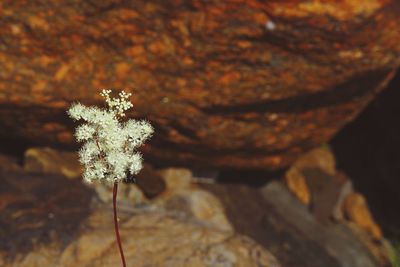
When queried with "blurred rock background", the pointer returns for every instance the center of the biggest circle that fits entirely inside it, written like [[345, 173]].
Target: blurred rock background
[[262, 146]]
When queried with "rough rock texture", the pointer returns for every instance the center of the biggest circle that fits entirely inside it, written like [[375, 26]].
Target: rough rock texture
[[38, 210], [47, 160], [183, 195], [9, 163], [285, 227], [42, 214], [356, 210], [321, 158], [329, 193], [177, 193], [151, 239], [48, 220], [244, 84]]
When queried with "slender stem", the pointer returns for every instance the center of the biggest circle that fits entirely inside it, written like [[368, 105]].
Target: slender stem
[[115, 191]]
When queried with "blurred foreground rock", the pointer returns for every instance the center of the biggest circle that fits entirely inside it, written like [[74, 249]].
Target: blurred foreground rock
[[157, 238], [329, 193], [48, 220], [233, 84], [291, 232], [150, 238], [50, 161]]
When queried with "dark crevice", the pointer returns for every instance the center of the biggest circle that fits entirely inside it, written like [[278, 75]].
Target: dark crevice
[[207, 150], [17, 143], [252, 178], [351, 90], [186, 131], [368, 149], [99, 8]]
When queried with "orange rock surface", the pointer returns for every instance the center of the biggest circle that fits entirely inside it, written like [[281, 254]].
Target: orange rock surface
[[356, 210], [243, 84]]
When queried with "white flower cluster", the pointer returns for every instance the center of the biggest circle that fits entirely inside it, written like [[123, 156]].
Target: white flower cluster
[[109, 153], [117, 105]]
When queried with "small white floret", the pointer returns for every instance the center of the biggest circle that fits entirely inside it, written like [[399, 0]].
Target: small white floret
[[88, 152], [84, 132], [76, 111], [138, 132], [135, 163]]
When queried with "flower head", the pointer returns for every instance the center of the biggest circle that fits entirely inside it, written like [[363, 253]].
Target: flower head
[[109, 152]]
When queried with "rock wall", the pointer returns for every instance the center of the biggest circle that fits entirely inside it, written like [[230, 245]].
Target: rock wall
[[230, 84]]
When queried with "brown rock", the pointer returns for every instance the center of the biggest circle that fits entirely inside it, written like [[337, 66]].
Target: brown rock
[[283, 225], [321, 158], [314, 180], [37, 210], [46, 160], [51, 161], [58, 226], [9, 163], [149, 239], [177, 179], [242, 84], [182, 194], [382, 250], [327, 193], [161, 239], [201, 205], [357, 211], [296, 183], [149, 181], [128, 193]]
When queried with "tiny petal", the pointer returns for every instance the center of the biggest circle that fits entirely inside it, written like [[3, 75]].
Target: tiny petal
[[135, 163], [76, 110], [138, 132], [84, 132], [88, 152]]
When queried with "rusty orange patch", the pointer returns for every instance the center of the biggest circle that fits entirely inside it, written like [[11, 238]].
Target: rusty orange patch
[[229, 77]]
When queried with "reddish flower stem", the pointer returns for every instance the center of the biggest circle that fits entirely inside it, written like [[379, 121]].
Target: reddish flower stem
[[115, 191]]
